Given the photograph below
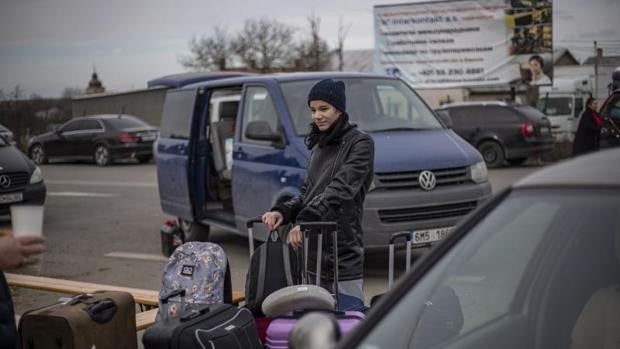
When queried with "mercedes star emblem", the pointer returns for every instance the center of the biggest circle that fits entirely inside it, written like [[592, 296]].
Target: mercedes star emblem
[[5, 181]]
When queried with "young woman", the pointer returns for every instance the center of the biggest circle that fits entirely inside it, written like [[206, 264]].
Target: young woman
[[589, 129], [536, 65], [339, 174]]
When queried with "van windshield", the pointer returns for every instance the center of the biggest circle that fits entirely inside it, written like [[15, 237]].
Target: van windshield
[[375, 105], [555, 106]]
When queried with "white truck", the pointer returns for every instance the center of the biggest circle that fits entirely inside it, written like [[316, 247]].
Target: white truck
[[563, 103]]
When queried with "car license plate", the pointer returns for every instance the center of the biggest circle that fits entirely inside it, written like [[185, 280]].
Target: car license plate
[[544, 130], [148, 137], [12, 197], [430, 235]]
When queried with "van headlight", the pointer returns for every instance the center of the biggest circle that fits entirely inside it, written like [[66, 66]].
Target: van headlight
[[478, 172], [37, 175]]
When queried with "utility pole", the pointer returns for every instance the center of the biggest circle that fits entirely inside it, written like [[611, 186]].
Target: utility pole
[[595, 70]]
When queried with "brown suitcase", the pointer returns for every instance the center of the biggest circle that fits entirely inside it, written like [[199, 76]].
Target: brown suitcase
[[101, 320]]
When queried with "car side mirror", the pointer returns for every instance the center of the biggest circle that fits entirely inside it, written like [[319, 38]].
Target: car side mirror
[[261, 131], [446, 119], [316, 330]]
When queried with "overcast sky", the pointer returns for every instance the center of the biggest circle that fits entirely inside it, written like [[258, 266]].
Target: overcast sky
[[47, 45]]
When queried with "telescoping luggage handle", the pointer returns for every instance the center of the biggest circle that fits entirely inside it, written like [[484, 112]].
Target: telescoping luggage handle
[[319, 228], [250, 225], [408, 235]]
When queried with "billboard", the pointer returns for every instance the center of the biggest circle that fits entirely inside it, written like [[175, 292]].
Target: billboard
[[465, 43]]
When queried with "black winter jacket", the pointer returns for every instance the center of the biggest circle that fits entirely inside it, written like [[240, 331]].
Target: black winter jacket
[[8, 331], [339, 174], [587, 136]]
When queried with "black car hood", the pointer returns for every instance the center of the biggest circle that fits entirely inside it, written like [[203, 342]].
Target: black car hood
[[42, 137], [12, 160]]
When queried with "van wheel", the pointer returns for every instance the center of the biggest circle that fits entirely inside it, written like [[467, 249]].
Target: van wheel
[[194, 231], [492, 153], [517, 161]]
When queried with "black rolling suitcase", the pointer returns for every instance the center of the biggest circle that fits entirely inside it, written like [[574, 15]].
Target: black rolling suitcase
[[215, 326], [273, 265], [395, 237]]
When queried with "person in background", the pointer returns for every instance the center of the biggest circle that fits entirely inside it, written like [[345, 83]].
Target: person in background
[[536, 65], [610, 133], [339, 175], [589, 129], [14, 253]]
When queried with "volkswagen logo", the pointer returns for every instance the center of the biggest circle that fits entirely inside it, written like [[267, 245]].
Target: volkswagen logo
[[5, 181], [427, 180]]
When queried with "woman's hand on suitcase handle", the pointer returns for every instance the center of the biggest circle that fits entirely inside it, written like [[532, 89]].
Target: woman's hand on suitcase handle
[[272, 219], [295, 237]]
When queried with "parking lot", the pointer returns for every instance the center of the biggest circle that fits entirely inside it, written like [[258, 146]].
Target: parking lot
[[102, 225]]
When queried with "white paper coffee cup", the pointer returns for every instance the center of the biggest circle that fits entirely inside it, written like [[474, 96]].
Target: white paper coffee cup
[[27, 220]]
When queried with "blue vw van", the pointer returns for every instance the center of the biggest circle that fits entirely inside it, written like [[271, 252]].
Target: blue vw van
[[231, 147]]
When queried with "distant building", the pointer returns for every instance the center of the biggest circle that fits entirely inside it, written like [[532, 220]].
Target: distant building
[[94, 85], [146, 104]]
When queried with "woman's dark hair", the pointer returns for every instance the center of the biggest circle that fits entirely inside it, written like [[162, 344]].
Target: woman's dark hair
[[538, 59], [590, 100]]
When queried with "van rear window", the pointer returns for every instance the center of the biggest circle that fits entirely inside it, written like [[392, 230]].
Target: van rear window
[[530, 112], [125, 122], [177, 114]]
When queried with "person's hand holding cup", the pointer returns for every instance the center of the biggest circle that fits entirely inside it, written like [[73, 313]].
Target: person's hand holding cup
[[26, 241], [17, 251]]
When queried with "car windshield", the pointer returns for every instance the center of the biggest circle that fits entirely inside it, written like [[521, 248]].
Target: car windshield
[[3, 141], [537, 271], [555, 106], [375, 105]]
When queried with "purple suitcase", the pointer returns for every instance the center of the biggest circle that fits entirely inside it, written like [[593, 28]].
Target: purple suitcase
[[280, 328]]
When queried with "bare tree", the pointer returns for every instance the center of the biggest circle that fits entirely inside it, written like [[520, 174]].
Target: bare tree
[[264, 44], [342, 34], [209, 52], [313, 52], [70, 92]]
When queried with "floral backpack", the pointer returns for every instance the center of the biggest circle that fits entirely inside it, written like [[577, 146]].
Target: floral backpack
[[202, 270]]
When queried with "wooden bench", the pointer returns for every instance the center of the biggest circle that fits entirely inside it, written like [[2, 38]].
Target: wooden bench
[[149, 298]]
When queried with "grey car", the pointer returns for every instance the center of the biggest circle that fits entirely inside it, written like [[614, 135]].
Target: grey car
[[536, 267], [502, 132]]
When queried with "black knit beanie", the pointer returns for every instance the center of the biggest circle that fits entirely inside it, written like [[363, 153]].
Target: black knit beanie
[[330, 91]]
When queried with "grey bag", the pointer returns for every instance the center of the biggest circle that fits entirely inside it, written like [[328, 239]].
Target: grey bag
[[202, 270]]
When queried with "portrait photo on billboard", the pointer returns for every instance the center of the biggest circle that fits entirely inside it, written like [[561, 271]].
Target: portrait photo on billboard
[[536, 69]]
